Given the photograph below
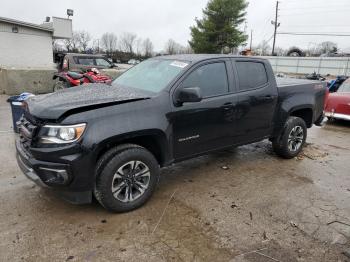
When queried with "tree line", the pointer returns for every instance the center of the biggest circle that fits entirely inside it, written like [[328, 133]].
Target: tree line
[[220, 30], [123, 47], [216, 32], [313, 50]]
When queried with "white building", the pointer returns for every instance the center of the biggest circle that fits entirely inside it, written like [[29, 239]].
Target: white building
[[27, 45]]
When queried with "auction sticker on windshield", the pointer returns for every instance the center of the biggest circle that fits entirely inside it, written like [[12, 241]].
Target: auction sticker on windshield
[[179, 64]]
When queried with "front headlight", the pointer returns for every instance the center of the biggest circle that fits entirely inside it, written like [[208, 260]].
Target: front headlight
[[51, 134]]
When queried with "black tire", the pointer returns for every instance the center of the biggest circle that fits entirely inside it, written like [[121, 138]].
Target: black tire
[[108, 167], [287, 144]]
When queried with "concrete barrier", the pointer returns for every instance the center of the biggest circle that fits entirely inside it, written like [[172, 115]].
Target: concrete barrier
[[16, 81], [36, 81]]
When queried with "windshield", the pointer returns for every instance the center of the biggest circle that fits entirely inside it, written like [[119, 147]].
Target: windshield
[[151, 75], [345, 87]]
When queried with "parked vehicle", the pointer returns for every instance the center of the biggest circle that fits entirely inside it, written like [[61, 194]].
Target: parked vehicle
[[334, 85], [111, 142], [315, 76], [133, 62], [338, 104], [70, 79], [82, 62]]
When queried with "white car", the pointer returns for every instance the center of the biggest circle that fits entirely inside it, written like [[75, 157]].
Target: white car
[[133, 62]]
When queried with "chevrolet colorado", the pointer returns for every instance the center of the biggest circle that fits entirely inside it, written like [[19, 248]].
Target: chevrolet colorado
[[111, 141]]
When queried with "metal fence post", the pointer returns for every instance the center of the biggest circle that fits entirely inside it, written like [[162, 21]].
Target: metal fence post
[[297, 69], [319, 65], [347, 67]]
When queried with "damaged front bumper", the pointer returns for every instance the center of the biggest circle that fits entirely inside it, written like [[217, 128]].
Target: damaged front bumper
[[55, 176]]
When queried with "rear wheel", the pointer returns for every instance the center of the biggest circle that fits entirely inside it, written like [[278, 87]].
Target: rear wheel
[[126, 178], [292, 138]]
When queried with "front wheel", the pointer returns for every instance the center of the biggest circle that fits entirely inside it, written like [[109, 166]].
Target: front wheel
[[292, 138], [126, 178]]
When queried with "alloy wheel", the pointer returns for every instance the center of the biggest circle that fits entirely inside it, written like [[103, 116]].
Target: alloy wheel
[[295, 138], [131, 181]]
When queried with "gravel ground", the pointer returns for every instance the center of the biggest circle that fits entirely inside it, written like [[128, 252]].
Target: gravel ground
[[240, 205]]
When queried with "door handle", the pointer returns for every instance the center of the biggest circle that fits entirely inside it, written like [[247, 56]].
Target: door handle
[[227, 106], [268, 98]]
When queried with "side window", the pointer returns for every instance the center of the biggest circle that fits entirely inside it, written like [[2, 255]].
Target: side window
[[211, 79], [251, 75], [102, 62], [85, 61]]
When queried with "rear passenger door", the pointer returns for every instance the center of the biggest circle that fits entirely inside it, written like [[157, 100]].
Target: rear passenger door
[[257, 98]]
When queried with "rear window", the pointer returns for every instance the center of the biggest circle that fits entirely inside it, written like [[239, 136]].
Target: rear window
[[251, 75]]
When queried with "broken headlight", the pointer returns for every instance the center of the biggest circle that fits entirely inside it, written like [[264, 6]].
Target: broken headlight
[[52, 134]]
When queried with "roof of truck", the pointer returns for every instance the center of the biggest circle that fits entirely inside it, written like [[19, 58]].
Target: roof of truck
[[200, 57]]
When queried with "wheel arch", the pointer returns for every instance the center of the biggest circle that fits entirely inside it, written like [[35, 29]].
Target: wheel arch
[[304, 112], [153, 140]]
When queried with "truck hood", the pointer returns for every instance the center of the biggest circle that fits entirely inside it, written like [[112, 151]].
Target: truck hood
[[55, 105]]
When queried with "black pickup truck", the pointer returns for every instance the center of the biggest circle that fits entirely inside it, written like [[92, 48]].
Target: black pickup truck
[[111, 141]]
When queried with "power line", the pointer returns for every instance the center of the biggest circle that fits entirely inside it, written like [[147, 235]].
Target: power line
[[315, 26], [316, 12], [313, 8], [314, 34], [294, 2]]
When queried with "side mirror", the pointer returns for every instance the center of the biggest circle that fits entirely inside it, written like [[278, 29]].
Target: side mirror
[[188, 95]]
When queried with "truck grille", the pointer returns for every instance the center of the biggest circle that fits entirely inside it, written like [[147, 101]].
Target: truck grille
[[26, 133]]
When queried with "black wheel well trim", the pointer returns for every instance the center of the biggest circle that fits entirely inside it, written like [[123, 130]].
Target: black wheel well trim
[[304, 112], [153, 140]]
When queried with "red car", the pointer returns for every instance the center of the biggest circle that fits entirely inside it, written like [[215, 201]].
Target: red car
[[338, 104]]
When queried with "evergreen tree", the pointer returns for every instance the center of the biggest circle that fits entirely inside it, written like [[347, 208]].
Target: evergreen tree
[[218, 29]]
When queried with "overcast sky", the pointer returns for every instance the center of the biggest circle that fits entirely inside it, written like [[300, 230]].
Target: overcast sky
[[163, 19]]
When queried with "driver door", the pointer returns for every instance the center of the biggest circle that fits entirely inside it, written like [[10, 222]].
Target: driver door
[[204, 126]]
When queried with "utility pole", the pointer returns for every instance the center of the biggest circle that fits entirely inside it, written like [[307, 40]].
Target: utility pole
[[276, 24], [251, 39]]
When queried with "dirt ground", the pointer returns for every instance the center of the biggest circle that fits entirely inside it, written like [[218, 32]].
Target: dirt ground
[[240, 205]]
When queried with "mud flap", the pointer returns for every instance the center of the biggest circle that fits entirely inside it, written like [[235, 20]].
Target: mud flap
[[319, 121]]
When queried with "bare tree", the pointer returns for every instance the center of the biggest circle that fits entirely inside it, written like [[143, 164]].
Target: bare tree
[[188, 50], [138, 45], [327, 47], [263, 48], [279, 51], [84, 38], [172, 47], [109, 42], [57, 45], [127, 42], [147, 47], [72, 44]]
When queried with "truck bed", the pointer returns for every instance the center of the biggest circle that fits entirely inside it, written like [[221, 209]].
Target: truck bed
[[283, 82]]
